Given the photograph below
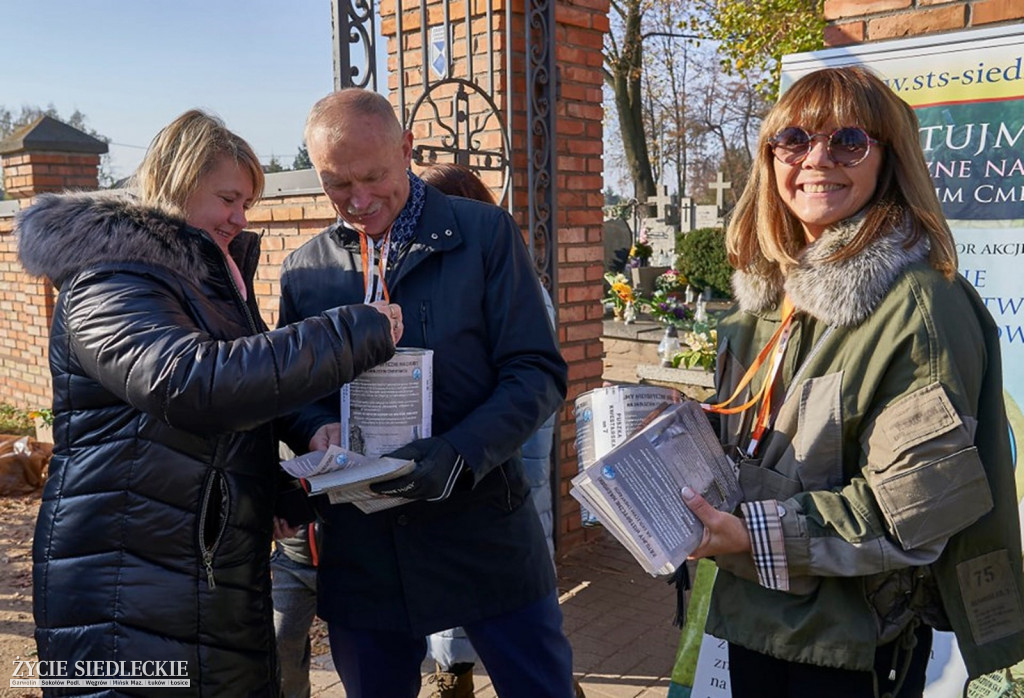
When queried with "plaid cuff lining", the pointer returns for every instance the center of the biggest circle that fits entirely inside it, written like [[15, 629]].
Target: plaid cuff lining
[[764, 523]]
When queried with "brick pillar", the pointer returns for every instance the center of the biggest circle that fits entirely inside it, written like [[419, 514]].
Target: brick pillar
[[580, 27], [44, 156], [26, 306], [579, 32], [858, 21], [47, 156]]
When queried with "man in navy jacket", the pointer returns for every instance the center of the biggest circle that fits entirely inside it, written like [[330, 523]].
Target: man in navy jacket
[[470, 550]]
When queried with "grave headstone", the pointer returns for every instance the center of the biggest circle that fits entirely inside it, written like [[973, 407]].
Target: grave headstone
[[706, 216], [720, 185], [618, 238], [686, 217], [661, 232]]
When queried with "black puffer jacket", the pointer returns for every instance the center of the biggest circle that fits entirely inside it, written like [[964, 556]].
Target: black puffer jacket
[[154, 534]]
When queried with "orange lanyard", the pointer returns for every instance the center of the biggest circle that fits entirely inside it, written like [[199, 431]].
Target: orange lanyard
[[772, 352], [314, 549], [374, 287]]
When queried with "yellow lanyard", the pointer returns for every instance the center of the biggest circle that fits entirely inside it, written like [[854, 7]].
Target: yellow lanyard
[[772, 352]]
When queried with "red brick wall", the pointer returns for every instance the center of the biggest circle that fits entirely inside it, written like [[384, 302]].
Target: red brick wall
[[286, 222], [857, 21], [579, 34], [25, 307]]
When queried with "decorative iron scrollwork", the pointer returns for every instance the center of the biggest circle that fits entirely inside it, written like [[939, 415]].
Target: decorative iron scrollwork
[[354, 27], [540, 98], [458, 137]]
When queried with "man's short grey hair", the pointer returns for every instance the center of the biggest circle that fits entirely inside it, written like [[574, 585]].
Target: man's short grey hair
[[329, 113]]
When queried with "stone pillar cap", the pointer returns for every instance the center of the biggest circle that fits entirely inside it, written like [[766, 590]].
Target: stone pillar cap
[[47, 134]]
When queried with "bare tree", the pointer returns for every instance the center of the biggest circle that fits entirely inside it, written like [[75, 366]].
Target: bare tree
[[623, 72], [694, 121]]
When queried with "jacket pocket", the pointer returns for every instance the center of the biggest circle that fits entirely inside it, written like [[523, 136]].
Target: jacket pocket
[[926, 502], [818, 438], [512, 489], [213, 520], [425, 323], [759, 483], [924, 470]]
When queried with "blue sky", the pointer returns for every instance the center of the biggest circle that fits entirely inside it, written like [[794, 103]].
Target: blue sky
[[131, 66]]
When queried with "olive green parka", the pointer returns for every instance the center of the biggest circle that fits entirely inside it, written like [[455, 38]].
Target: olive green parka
[[889, 464]]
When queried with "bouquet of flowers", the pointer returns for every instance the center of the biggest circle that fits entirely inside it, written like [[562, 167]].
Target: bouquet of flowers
[[621, 292], [701, 351], [670, 281], [641, 251], [668, 310]]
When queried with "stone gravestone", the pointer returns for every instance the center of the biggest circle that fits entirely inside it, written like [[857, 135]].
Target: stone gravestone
[[661, 229], [618, 238], [720, 185], [686, 214], [706, 216], [710, 215]]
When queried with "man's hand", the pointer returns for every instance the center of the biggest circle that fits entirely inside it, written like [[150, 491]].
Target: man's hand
[[326, 436], [283, 529], [438, 467], [723, 533]]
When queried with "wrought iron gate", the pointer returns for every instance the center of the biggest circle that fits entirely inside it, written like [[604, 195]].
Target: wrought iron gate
[[462, 110]]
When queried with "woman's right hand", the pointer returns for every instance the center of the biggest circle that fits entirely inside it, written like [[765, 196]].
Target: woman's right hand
[[723, 532], [393, 312]]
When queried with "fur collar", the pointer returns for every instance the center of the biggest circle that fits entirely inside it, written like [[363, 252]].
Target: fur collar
[[838, 293], [60, 235]]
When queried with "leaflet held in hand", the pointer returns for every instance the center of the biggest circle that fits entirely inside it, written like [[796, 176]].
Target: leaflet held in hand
[[390, 405], [605, 417], [346, 475], [386, 408], [383, 409], [635, 489]]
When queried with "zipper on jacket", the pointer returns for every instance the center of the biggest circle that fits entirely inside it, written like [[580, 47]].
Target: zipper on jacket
[[508, 487], [424, 314], [215, 486], [807, 360], [245, 307], [253, 327]]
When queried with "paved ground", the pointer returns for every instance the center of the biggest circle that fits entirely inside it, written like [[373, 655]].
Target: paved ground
[[618, 619]]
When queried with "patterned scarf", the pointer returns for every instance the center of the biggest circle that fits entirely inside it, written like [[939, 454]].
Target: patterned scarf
[[404, 226]]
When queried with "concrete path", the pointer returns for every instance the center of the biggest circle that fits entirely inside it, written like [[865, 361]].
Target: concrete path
[[618, 619]]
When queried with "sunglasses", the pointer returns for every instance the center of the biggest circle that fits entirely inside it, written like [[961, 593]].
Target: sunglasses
[[847, 146]]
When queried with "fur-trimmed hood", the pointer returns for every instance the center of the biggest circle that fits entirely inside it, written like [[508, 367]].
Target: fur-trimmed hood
[[62, 234], [840, 293]]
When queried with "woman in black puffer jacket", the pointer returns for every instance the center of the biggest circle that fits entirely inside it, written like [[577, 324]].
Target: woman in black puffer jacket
[[154, 533]]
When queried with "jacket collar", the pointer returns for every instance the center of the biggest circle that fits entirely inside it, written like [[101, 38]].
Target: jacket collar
[[437, 231], [840, 293], [62, 234]]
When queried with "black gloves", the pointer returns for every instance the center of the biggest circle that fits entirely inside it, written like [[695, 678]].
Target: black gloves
[[438, 468]]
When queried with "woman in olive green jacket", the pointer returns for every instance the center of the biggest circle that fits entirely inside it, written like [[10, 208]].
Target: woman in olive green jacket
[[877, 476]]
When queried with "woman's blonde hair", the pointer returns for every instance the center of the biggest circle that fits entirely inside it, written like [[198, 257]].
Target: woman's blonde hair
[[184, 151], [763, 232]]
